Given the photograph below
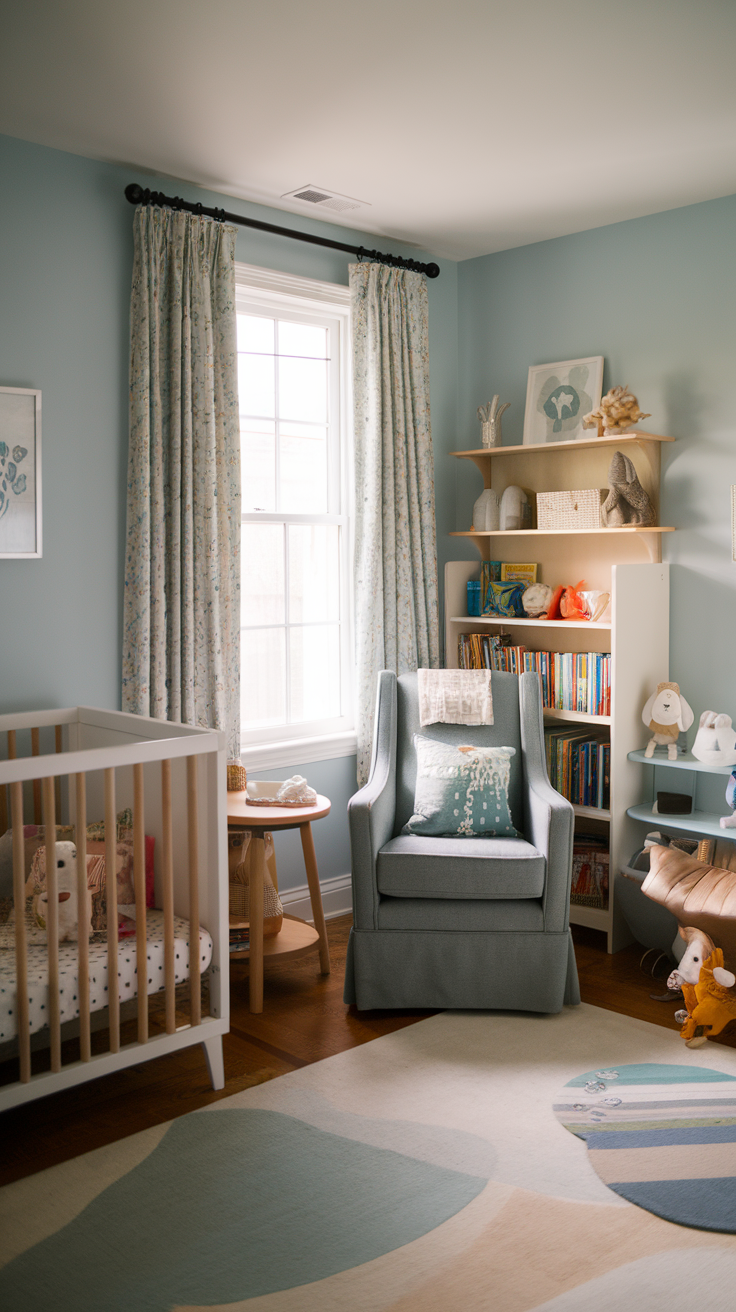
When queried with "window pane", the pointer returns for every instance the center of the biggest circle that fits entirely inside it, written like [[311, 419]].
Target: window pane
[[256, 385], [314, 573], [263, 677], [262, 596], [315, 672], [302, 339], [302, 390], [303, 469], [258, 464], [255, 333]]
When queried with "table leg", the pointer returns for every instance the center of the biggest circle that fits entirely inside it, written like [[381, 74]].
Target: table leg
[[255, 917], [315, 895]]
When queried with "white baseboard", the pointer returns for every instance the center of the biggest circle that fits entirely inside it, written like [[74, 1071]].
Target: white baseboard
[[337, 898]]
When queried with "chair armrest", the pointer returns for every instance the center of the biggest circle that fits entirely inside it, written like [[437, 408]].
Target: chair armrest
[[372, 810], [549, 817]]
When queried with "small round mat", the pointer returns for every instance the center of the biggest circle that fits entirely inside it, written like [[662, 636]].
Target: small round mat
[[663, 1137]]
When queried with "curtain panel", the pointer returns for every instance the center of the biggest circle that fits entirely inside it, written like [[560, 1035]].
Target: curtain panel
[[181, 647], [396, 605]]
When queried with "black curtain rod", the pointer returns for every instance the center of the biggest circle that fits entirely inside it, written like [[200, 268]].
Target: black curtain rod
[[138, 196]]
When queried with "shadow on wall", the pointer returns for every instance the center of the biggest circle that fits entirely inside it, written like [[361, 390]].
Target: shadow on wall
[[686, 404]]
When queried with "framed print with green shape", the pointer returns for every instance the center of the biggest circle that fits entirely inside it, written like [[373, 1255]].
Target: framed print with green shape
[[20, 473]]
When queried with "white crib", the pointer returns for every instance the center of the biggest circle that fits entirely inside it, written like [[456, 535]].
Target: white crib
[[80, 765]]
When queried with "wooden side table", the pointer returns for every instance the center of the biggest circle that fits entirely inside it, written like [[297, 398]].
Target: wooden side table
[[296, 937]]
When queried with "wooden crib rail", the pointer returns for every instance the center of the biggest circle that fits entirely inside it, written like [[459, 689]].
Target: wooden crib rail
[[103, 758]]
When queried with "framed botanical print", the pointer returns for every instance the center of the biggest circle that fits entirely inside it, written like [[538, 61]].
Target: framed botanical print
[[20, 473], [557, 397]]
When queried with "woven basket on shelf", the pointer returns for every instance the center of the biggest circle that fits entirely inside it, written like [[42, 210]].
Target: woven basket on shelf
[[240, 862], [577, 509]]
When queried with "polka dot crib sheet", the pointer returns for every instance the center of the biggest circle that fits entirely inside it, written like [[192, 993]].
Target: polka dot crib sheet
[[38, 989]]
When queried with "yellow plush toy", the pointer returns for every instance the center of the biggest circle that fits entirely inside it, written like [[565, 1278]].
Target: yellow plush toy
[[710, 1002]]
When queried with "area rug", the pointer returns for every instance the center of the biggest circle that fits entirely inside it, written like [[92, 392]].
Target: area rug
[[425, 1171], [663, 1136]]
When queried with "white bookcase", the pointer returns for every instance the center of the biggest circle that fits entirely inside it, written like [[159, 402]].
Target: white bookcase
[[624, 562]]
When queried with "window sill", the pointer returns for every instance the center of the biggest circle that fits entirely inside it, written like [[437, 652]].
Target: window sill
[[297, 751]]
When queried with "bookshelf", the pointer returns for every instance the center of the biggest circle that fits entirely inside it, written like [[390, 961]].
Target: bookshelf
[[698, 822], [626, 563]]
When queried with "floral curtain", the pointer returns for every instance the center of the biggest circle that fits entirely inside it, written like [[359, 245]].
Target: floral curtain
[[181, 644], [397, 614]]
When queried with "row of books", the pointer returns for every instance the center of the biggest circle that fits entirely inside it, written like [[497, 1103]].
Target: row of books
[[579, 765], [590, 867], [239, 938], [571, 681]]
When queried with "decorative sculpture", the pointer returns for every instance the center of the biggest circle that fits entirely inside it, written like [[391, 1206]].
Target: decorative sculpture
[[715, 741], [536, 600], [486, 512], [515, 509], [618, 410], [627, 502], [490, 420], [667, 714]]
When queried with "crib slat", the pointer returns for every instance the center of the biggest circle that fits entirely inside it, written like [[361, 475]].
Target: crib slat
[[36, 751], [111, 903], [21, 947], [195, 988], [3, 791], [167, 871], [57, 744], [52, 920], [83, 910], [139, 880]]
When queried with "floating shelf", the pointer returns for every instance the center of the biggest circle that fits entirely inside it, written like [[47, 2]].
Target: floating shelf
[[555, 532], [534, 448], [698, 822], [504, 620], [684, 762]]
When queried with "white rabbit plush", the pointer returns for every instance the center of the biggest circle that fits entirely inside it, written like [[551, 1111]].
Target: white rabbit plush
[[667, 714], [66, 885], [715, 741]]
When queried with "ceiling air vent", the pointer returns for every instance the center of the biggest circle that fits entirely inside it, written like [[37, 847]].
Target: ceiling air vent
[[324, 200]]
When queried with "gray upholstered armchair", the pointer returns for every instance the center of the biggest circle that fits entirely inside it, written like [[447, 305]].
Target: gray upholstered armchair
[[460, 922]]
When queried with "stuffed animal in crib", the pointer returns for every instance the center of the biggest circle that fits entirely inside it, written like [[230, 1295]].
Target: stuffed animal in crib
[[667, 714], [66, 885], [707, 988]]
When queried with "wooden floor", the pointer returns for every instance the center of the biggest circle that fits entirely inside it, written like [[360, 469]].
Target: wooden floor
[[304, 1019]]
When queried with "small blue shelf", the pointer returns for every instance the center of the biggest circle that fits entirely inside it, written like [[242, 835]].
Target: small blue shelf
[[685, 762], [697, 822]]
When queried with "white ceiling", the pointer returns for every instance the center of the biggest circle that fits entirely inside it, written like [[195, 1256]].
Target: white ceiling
[[468, 126]]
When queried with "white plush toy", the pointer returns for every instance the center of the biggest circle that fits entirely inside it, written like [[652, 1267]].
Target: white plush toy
[[715, 741], [667, 714], [66, 883]]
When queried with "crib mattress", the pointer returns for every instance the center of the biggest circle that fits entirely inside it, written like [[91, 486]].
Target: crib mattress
[[38, 984]]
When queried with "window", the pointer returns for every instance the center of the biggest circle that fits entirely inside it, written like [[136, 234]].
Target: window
[[296, 665]]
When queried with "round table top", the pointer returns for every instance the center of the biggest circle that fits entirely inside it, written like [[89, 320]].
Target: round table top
[[239, 812]]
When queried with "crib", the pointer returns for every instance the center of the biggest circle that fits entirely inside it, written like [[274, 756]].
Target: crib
[[71, 1011]]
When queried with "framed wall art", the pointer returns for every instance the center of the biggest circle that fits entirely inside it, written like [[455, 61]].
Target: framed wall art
[[20, 473], [557, 397]]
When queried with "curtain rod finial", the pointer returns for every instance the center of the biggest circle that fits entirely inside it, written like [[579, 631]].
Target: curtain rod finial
[[134, 193]]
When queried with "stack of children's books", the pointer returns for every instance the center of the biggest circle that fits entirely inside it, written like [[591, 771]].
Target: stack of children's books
[[239, 935], [571, 681], [589, 871], [579, 764]]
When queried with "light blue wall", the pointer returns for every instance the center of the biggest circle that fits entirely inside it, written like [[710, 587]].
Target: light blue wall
[[657, 298], [66, 243]]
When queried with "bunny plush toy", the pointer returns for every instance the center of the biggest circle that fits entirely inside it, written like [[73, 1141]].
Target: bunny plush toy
[[667, 715]]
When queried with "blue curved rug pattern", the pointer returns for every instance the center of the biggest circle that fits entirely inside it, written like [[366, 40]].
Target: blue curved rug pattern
[[230, 1205], [661, 1136]]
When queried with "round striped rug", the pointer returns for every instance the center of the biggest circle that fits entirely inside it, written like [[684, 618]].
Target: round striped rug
[[664, 1137]]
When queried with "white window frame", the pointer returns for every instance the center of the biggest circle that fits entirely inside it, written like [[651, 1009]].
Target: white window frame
[[289, 296]]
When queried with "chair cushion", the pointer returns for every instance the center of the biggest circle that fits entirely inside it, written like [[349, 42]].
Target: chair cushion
[[461, 915], [484, 868], [461, 790]]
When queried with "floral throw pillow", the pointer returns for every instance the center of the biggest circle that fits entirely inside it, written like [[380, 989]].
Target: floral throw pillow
[[461, 792]]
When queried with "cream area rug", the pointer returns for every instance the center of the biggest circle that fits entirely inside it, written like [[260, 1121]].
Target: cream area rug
[[426, 1171]]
